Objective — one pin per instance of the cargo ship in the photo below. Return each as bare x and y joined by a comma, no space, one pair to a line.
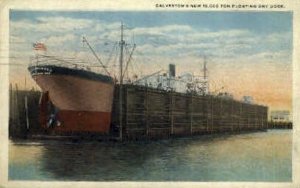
76,100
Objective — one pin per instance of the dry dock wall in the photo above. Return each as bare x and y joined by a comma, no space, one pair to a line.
152,113
23,112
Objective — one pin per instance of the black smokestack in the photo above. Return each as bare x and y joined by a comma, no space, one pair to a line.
172,70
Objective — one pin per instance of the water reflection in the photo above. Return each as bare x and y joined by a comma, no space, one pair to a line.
250,157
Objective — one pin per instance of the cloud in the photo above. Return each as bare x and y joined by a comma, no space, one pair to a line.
103,26
24,24
61,24
162,31
283,56
217,35
172,40
58,39
276,38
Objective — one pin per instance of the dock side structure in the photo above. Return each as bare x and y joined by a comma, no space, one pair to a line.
153,113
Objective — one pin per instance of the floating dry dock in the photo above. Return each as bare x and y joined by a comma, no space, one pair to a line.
153,113
150,114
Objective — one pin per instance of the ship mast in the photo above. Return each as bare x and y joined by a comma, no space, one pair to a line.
205,76
122,42
204,69
203,83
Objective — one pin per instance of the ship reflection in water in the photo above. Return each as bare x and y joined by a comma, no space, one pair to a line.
263,156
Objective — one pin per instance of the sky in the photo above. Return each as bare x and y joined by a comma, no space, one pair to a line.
248,53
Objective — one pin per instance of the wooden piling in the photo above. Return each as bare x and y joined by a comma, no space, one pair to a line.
171,112
26,111
191,113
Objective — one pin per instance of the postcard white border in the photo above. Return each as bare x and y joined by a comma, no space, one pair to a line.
135,5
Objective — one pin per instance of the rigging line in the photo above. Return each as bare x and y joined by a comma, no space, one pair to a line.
133,68
133,40
136,67
127,52
54,58
149,75
84,51
66,59
115,62
139,64
110,55
128,61
85,40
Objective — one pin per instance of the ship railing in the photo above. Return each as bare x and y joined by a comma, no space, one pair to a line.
64,62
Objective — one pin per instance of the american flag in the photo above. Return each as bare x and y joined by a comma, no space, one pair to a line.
39,46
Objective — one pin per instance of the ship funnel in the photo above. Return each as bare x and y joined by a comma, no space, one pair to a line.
172,70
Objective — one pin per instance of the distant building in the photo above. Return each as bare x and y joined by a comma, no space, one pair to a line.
248,99
225,95
281,116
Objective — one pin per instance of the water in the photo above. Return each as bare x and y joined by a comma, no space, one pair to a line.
263,156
